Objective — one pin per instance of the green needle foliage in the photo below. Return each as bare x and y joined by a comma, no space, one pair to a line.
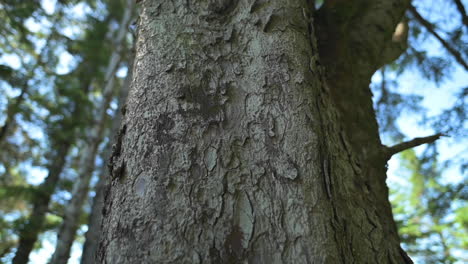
430,207
431,213
52,65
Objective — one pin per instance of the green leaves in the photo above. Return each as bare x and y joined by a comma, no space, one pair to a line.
431,214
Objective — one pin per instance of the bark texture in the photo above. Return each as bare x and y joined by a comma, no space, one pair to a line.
231,150
355,39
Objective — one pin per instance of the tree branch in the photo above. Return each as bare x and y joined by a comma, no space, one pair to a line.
390,151
429,27
462,11
12,109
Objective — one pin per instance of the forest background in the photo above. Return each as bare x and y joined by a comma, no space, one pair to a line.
62,79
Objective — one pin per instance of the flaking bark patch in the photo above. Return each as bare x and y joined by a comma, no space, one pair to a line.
233,245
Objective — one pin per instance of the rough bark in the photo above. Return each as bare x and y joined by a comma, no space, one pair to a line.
231,150
95,218
73,210
352,48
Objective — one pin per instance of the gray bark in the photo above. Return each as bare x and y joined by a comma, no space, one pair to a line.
231,149
73,210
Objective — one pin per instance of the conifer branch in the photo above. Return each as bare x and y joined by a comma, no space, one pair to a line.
429,27
390,151
462,10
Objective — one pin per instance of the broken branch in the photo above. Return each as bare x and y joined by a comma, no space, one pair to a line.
390,151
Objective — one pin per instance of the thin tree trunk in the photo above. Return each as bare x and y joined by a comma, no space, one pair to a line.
92,236
59,146
95,218
231,150
30,231
73,210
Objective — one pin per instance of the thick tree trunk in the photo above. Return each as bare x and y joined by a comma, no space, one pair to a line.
73,210
231,150
352,48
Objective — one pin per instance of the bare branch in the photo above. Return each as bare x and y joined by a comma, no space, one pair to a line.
390,151
429,27
462,11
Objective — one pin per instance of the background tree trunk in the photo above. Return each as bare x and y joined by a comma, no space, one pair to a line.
231,149
95,217
31,230
62,136
73,210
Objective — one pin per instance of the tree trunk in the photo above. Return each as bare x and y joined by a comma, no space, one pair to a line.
92,236
95,218
31,230
234,146
59,147
73,210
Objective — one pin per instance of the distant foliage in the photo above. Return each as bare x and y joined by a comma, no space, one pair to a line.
430,207
53,56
